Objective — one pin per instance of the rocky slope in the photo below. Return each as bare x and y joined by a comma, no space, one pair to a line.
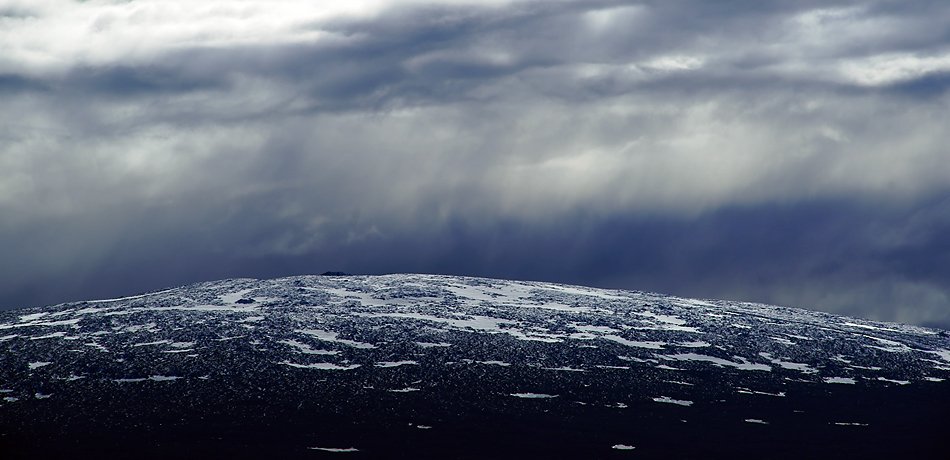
411,366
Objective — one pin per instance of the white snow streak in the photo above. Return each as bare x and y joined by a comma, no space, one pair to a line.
533,395
669,400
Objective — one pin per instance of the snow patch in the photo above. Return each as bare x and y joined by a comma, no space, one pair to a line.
868,368
157,342
129,297
844,380
234,296
236,308
50,336
783,340
32,316
799,337
307,349
662,318
669,400
395,363
321,366
328,336
561,307
801,367
754,392
631,343
743,363
587,292
532,395
430,345
479,323
97,346
944,354
637,360
866,326
889,346
597,329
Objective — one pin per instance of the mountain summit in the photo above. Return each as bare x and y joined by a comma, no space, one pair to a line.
431,366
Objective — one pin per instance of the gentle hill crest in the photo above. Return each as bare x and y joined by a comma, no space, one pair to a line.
423,349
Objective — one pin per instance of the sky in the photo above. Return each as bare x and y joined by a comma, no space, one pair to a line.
786,152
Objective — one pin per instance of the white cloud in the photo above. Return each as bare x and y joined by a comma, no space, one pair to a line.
52,35
673,63
886,69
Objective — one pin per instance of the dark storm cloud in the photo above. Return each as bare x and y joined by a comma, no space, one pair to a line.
16,83
889,263
788,152
129,82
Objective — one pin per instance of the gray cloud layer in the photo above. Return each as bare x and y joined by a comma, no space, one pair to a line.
789,152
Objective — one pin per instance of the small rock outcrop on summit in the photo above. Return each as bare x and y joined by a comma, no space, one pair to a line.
428,366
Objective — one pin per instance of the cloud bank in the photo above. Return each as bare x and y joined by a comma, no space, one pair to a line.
785,152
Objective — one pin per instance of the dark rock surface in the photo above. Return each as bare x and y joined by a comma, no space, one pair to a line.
426,366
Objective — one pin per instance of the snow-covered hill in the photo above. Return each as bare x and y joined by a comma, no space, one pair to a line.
437,353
